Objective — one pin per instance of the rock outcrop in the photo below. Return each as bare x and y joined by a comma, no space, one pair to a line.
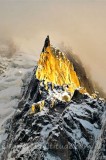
56,119
54,67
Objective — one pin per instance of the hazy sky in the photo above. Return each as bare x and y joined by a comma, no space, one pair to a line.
80,24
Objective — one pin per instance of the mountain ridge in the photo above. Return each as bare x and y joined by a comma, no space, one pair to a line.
49,123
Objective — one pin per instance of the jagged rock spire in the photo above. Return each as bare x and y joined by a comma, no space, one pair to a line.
46,44
54,67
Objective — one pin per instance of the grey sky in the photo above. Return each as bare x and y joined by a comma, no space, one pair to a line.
80,24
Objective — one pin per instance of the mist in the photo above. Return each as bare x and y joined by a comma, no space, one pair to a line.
79,24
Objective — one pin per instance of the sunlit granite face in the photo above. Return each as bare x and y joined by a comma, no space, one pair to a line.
53,66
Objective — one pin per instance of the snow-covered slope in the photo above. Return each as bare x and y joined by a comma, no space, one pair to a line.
12,71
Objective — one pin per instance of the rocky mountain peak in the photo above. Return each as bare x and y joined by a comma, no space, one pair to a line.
46,43
54,67
54,120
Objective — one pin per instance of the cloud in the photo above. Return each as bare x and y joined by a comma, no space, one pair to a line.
80,24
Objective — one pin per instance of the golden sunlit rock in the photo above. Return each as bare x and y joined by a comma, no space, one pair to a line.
37,107
53,66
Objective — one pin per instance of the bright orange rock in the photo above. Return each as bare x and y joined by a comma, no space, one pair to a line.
53,66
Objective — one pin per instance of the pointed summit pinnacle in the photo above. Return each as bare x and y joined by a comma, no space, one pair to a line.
46,44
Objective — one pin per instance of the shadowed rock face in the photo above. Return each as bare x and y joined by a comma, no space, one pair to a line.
98,151
46,44
61,130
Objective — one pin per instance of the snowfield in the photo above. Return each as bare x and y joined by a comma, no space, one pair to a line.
12,71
